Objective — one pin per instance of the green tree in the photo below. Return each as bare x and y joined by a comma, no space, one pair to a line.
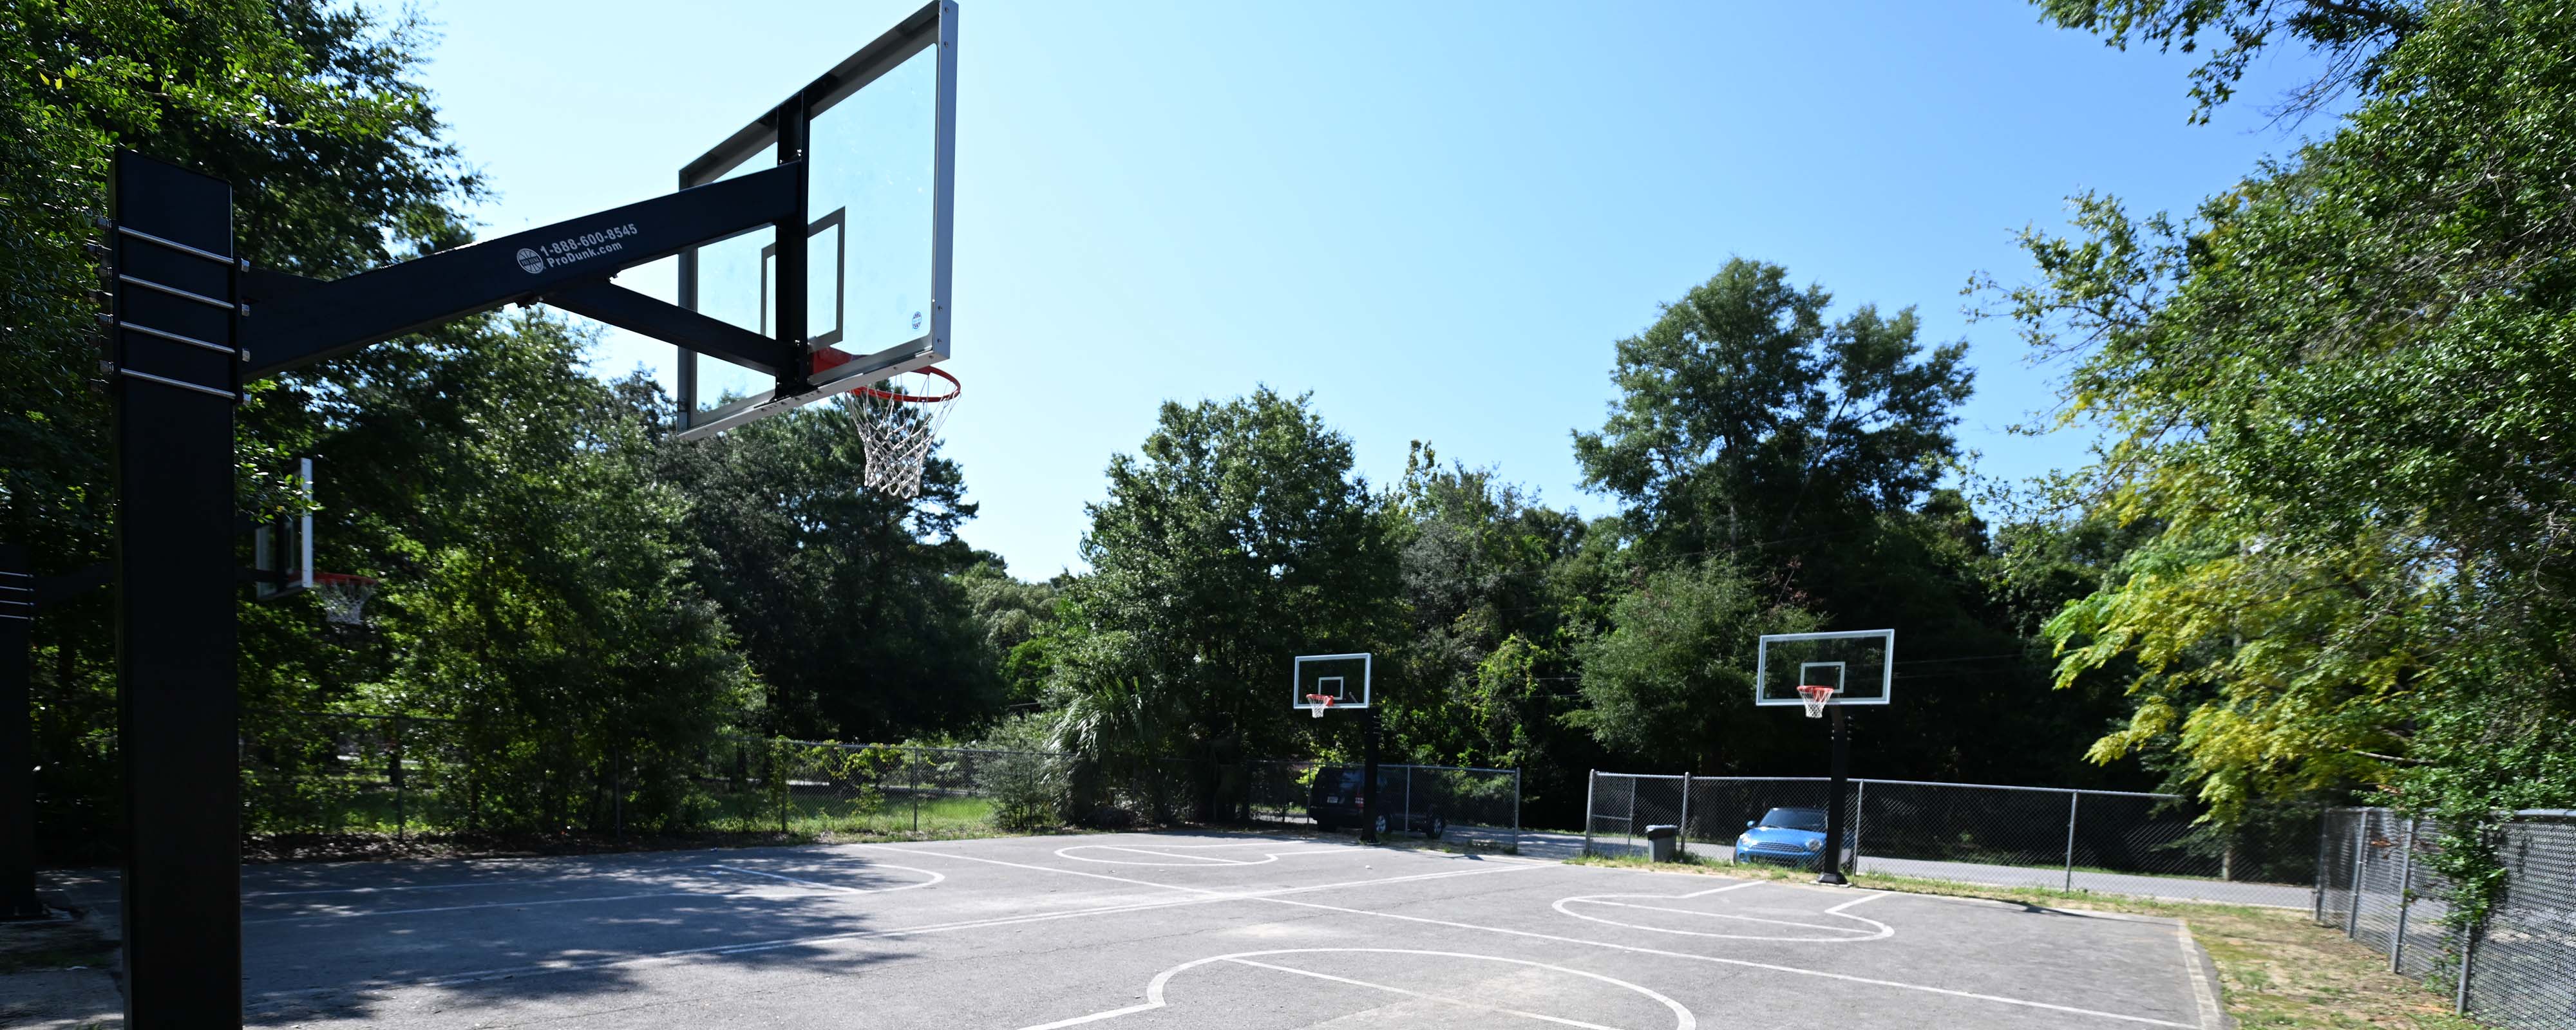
312,111
1671,681
2337,400
1745,419
848,603
1018,618
2353,35
1234,540
541,598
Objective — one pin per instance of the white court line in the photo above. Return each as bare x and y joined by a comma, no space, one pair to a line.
421,887
1596,900
1186,861
320,917
1882,932
1794,970
746,947
1073,853
324,917
1418,994
2201,995
1205,897
934,876
1155,992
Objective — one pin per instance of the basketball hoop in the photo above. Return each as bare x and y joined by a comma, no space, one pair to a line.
344,597
898,420
1815,698
1322,703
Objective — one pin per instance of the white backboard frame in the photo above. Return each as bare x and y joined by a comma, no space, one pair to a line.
1887,667
1297,680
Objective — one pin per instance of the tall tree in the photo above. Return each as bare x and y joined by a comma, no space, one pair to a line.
1235,539
313,111
1745,419
846,600
2337,399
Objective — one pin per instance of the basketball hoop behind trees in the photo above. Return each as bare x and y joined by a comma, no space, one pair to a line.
344,597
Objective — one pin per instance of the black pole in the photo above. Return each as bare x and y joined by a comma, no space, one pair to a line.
17,737
1368,775
1831,864
178,713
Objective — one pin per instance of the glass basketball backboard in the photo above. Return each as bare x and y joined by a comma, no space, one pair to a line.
1859,664
1343,677
879,134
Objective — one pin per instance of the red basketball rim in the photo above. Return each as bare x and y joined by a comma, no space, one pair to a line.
906,398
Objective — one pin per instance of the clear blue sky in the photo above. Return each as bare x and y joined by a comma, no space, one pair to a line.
1435,217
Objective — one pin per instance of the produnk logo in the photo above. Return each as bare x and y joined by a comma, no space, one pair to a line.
532,261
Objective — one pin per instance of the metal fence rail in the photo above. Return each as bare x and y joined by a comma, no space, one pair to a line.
2517,968
2106,841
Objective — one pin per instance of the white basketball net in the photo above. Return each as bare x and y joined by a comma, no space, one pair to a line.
1318,704
344,598
898,421
1815,698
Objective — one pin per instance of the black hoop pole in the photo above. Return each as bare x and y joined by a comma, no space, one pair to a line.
1830,864
178,710
17,737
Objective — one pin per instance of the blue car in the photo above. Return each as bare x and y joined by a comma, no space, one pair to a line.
1793,837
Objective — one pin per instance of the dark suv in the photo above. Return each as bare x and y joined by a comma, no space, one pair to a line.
1337,802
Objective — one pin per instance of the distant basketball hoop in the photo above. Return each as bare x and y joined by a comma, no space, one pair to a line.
1815,698
344,597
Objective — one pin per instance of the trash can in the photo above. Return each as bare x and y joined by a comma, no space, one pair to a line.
1662,842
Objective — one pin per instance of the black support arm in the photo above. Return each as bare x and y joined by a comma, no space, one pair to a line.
670,323
329,319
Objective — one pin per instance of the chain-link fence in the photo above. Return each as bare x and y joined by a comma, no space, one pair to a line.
2376,881
330,772
877,789
1466,805
2105,841
348,773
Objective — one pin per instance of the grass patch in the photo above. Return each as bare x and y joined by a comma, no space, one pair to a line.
2276,967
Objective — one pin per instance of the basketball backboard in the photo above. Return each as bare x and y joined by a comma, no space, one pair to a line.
879,134
282,547
1859,664
1343,677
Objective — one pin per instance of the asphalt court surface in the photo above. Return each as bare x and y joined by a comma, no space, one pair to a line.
1148,931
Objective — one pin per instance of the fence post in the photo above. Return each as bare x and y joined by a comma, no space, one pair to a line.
912,786
1408,796
1681,841
2360,851
395,772
2317,894
2405,895
1628,822
1860,818
1588,777
1516,812
2468,956
2071,798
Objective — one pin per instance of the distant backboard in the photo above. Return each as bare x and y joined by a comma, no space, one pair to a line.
1344,677
282,548
880,132
1859,664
